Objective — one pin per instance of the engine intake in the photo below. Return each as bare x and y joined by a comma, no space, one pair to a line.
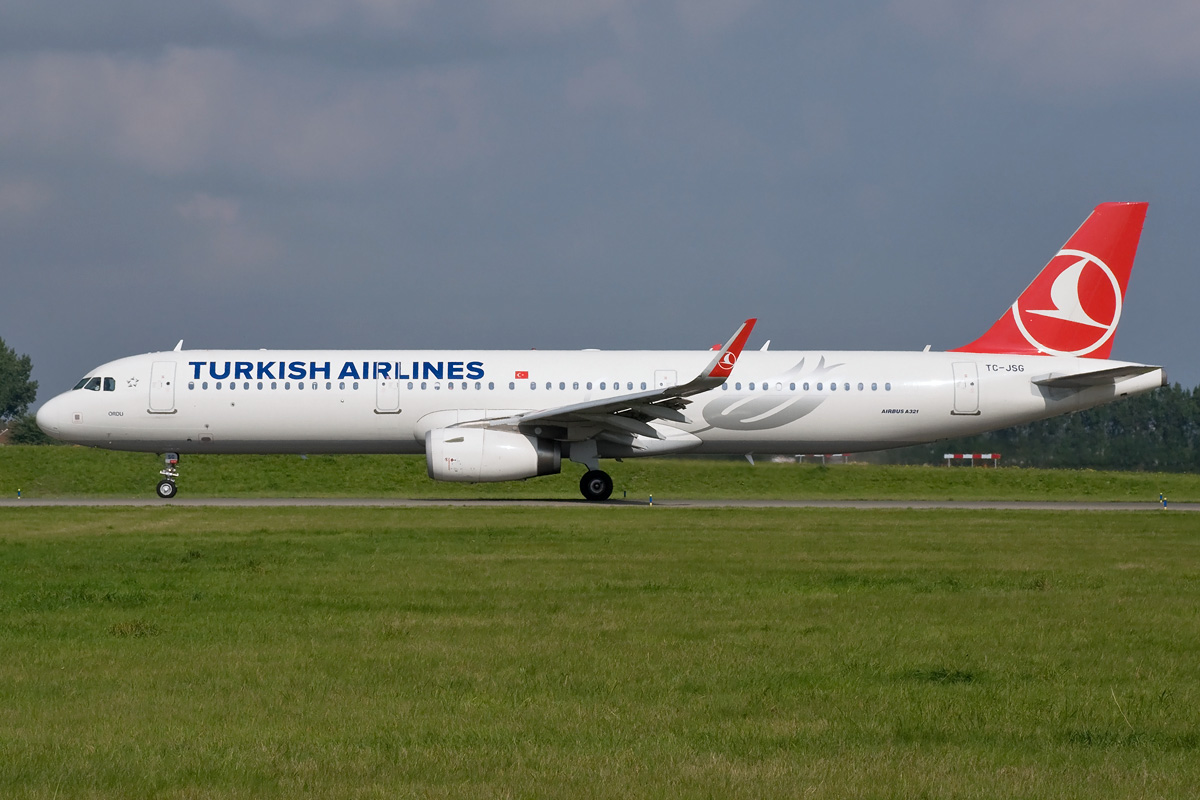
479,455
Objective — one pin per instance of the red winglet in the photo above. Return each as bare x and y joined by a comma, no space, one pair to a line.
722,365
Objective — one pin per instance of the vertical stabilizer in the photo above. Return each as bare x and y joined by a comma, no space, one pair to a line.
1074,304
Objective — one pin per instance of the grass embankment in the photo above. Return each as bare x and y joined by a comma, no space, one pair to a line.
611,653
84,472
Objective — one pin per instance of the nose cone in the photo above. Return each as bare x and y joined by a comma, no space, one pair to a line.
53,417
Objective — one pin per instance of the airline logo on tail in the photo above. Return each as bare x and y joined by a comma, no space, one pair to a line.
1074,304
1076,288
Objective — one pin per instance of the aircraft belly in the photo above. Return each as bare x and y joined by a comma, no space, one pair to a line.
246,424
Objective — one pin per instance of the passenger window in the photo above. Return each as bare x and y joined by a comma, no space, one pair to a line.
549,385
860,387
629,386
274,386
832,387
887,387
110,384
232,385
491,385
643,385
806,386
737,386
751,386
342,385
846,386
287,386
725,387
602,387
449,385
217,385
204,385
260,386
328,385
562,385
791,387
575,385
874,387
766,386
819,386
424,385
511,385
533,384
356,385
410,385
191,385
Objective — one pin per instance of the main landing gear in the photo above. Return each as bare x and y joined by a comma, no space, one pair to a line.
596,485
166,487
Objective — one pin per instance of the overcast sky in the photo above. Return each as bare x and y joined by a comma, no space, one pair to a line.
580,173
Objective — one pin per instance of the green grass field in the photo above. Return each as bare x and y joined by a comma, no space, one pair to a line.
84,472
605,652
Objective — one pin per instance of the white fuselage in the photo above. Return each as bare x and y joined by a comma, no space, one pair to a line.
258,401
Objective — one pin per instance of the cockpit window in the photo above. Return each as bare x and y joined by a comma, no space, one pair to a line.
93,385
81,384
110,384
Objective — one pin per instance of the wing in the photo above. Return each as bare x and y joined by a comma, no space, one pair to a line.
619,418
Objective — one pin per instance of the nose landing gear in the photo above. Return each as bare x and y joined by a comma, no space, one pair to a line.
166,487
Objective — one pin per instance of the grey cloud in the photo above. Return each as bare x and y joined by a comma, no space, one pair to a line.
190,110
23,199
1068,46
609,173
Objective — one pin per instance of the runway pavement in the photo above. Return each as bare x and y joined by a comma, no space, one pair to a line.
392,502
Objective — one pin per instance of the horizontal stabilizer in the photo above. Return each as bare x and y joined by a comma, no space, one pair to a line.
1100,377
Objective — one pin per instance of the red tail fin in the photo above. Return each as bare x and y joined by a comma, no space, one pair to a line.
1074,304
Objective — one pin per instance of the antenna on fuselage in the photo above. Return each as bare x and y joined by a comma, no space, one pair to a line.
179,346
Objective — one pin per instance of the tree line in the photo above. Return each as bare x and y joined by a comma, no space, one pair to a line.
17,393
1155,431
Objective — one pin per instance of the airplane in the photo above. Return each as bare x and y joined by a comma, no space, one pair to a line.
502,415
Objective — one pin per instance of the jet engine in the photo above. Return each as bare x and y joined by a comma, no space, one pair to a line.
479,455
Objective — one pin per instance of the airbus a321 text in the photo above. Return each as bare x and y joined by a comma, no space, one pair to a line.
501,415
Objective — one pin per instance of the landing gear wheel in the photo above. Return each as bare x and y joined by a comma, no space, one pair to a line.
596,485
166,487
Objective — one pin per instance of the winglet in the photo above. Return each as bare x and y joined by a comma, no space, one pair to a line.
723,361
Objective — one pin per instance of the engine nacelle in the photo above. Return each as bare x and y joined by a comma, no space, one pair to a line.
478,455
